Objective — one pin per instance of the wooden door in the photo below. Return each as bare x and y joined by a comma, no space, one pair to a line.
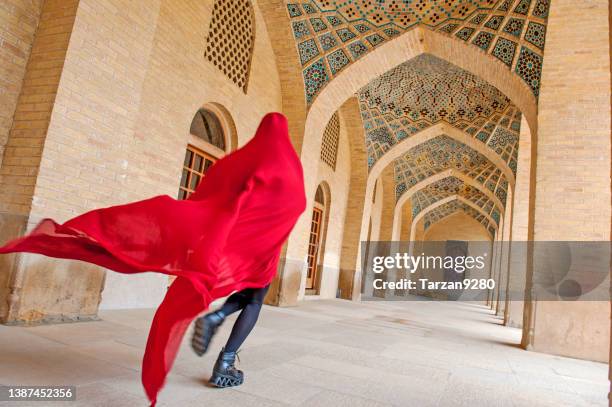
313,247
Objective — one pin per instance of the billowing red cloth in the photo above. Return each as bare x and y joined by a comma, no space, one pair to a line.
227,236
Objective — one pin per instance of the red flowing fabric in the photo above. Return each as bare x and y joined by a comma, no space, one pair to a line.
226,237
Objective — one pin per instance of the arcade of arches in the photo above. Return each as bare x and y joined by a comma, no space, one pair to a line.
486,120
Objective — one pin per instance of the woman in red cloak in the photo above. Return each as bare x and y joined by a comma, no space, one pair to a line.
226,237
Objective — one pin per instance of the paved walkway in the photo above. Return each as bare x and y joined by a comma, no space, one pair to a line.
321,353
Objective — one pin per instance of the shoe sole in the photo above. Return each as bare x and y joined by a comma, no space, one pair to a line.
199,344
222,381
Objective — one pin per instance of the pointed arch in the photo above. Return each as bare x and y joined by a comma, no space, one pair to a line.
442,202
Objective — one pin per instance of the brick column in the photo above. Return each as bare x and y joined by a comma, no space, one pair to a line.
572,191
23,151
350,261
520,230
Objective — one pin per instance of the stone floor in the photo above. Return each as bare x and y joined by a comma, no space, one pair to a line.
321,353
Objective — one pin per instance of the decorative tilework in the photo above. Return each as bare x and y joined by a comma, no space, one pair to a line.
495,216
483,40
294,10
435,192
391,32
375,39
381,136
404,14
529,68
300,29
482,136
465,33
504,50
501,139
315,77
361,28
478,19
328,41
354,20
309,8
449,28
494,22
502,191
400,189
345,34
334,21
505,5
357,49
424,91
308,50
318,24
512,165
437,155
541,8
522,7
514,26
337,60
536,33
445,188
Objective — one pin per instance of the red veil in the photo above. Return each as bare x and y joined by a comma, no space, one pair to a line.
227,236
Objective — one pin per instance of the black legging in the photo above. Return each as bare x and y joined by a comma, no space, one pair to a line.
249,301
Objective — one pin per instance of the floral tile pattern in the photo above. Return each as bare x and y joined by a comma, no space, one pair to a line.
477,22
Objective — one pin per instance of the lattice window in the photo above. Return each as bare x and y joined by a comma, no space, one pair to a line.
329,147
231,36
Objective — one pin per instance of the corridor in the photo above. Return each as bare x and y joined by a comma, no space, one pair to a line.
321,353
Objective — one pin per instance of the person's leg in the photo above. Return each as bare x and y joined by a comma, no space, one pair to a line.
246,320
236,301
205,327
225,373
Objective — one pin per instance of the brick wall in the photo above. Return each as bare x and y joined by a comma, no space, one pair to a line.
18,22
133,78
22,155
572,195
338,183
34,107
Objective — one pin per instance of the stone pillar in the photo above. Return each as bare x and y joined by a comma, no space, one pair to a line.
351,241
495,267
505,256
387,183
23,151
572,192
520,230
406,222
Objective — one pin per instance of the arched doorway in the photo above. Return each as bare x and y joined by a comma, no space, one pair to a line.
210,138
316,242
208,141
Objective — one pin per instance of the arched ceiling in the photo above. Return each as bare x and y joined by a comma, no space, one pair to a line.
426,90
443,153
450,186
330,35
455,206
